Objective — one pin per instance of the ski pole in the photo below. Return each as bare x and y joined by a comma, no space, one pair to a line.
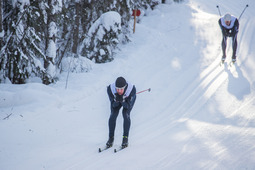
149,89
243,11
219,10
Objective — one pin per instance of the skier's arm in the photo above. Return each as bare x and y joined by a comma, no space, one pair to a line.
111,97
130,100
223,29
235,28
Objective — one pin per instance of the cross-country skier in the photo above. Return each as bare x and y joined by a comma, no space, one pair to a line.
229,26
121,94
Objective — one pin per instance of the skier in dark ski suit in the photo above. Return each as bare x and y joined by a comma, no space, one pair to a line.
229,26
121,94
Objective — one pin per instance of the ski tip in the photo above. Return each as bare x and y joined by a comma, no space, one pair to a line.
222,63
231,64
99,150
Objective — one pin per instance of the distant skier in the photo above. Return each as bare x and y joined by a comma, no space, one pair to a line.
229,26
121,94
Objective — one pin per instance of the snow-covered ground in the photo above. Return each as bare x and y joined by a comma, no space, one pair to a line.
197,116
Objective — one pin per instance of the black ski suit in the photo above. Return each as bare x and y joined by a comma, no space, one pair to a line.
129,97
229,31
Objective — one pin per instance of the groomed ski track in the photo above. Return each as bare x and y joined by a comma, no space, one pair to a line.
198,115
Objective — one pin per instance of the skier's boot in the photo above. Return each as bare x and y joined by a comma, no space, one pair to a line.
124,142
223,59
233,60
110,142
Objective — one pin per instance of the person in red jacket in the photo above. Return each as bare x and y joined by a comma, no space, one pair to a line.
229,26
122,94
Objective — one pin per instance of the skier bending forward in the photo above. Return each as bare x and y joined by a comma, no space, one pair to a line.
229,26
121,94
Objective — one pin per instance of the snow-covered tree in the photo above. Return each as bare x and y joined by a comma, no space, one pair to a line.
54,7
76,27
109,28
103,37
37,36
19,52
1,23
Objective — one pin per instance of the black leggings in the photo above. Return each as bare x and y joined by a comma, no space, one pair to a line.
234,45
113,118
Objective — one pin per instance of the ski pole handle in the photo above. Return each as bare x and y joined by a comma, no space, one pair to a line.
243,11
219,10
149,89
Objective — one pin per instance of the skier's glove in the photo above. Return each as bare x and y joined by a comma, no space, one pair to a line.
115,104
119,98
125,105
226,34
234,31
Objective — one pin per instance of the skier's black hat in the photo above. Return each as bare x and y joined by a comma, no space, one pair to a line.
120,82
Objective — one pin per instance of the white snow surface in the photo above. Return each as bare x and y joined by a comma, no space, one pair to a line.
107,21
198,115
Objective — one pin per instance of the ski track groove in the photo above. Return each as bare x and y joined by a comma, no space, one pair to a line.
211,79
202,88
180,111
187,104
214,75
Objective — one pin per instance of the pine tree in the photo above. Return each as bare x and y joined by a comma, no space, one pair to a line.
1,24
35,36
54,7
21,54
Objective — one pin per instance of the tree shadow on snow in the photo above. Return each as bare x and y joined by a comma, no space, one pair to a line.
238,85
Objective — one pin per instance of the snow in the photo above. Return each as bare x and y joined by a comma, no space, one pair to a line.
22,3
198,115
2,33
57,6
108,20
76,64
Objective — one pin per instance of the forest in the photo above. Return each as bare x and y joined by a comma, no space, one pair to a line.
41,38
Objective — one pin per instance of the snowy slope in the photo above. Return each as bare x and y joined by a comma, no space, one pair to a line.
197,116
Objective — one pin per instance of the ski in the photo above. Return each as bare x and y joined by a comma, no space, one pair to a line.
103,149
222,62
119,149
231,63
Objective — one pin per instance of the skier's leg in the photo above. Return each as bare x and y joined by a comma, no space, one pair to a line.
127,121
234,45
112,120
126,116
224,45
